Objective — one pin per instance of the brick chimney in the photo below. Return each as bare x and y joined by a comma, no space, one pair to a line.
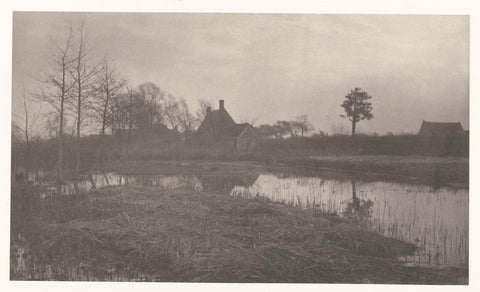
222,104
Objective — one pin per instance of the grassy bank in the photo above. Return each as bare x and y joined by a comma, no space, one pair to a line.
142,233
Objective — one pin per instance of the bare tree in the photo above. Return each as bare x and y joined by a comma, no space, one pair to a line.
266,130
203,106
187,120
122,116
83,73
172,112
30,129
302,125
282,128
177,115
252,120
108,86
58,86
148,105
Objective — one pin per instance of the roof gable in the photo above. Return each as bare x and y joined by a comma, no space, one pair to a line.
440,129
219,125
218,119
238,129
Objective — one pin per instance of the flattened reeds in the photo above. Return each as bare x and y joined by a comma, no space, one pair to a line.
141,233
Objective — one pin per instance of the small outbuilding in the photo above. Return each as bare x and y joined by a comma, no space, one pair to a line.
442,139
440,129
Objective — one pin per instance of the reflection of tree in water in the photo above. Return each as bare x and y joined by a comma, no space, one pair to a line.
358,210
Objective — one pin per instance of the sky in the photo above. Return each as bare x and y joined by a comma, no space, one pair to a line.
270,67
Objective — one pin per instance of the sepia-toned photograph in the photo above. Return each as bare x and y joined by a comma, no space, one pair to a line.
240,148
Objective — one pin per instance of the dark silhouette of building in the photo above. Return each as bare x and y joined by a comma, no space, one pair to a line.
438,129
442,139
219,131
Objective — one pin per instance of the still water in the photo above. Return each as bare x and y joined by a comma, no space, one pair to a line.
435,220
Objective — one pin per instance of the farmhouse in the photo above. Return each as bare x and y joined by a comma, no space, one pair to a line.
439,138
218,130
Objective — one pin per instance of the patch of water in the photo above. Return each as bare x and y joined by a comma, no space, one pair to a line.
101,180
436,221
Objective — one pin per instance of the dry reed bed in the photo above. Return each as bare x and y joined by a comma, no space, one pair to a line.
142,233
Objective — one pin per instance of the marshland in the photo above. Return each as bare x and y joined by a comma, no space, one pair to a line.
238,221
117,179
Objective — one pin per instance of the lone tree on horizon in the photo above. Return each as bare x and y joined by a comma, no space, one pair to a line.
357,107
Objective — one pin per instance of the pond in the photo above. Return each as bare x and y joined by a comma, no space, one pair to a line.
435,220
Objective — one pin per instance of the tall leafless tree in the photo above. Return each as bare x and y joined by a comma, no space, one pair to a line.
58,85
108,86
83,74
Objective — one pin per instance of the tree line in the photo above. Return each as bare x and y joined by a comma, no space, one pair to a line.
86,94
301,126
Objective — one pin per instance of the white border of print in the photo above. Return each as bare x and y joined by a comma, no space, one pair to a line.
464,7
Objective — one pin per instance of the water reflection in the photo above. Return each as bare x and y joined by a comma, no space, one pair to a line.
358,210
435,220
225,183
215,183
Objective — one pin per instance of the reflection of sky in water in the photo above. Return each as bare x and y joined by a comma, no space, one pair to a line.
435,220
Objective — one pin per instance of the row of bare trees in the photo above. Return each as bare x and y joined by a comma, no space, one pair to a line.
90,94
77,86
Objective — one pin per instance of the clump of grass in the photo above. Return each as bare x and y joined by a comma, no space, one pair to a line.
142,233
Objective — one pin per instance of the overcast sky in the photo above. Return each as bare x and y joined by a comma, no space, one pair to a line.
276,66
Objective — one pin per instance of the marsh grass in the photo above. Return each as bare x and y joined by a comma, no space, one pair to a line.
146,234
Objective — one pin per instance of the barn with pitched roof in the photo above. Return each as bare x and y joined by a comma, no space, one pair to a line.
219,130
440,138
439,129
